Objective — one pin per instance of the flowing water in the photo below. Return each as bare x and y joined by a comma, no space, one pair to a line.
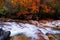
29,30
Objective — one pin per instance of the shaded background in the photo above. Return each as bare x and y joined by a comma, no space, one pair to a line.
30,9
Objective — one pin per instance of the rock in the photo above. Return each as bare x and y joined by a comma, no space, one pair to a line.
20,37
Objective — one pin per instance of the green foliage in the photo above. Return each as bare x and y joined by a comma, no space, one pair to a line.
2,11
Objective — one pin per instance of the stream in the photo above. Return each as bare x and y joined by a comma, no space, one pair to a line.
31,30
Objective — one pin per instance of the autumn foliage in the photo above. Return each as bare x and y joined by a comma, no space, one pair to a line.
18,7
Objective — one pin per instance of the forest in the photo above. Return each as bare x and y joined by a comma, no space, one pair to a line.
37,9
